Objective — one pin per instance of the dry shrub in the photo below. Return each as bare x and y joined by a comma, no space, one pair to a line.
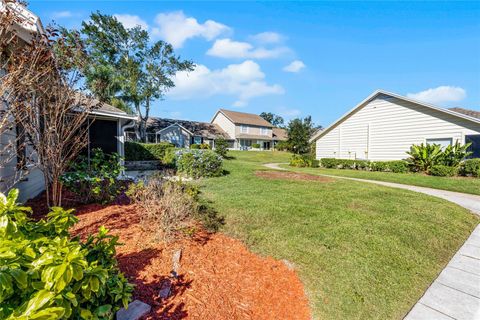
165,206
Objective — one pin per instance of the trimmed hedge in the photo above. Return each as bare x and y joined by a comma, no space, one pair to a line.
198,163
443,171
470,168
146,151
305,160
398,166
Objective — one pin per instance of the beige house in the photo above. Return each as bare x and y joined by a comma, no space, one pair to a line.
247,129
385,125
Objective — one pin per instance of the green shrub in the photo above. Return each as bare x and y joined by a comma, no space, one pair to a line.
470,167
194,146
397,166
453,155
45,274
221,147
95,180
424,156
168,159
146,151
441,170
205,146
198,163
303,160
328,163
282,146
256,145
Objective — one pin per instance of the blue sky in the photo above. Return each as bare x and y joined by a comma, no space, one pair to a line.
303,58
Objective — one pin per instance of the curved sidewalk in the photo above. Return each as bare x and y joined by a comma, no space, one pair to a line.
455,294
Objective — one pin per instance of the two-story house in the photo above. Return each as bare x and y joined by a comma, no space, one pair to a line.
247,129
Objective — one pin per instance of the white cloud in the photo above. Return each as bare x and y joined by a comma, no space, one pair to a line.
268,37
62,14
295,66
440,94
244,81
227,48
176,28
288,112
131,21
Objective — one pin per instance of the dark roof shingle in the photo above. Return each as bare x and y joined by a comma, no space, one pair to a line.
204,129
467,112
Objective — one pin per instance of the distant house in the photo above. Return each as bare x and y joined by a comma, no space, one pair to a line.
106,131
247,129
183,133
385,125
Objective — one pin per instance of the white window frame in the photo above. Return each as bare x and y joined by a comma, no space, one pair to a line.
264,131
432,140
243,128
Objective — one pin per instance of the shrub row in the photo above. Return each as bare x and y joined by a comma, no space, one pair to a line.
398,166
198,163
304,160
470,168
200,146
135,151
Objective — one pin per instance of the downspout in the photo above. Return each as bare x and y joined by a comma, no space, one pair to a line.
130,124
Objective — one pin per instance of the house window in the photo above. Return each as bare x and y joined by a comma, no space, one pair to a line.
443,142
264,131
475,145
243,128
197,140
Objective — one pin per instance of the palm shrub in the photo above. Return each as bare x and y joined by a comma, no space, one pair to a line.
45,274
454,154
424,156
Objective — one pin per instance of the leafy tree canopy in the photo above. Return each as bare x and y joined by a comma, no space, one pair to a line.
275,120
299,134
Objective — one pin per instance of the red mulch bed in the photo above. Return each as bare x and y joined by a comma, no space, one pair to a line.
218,277
291,176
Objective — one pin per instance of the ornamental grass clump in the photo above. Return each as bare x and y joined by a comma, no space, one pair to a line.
45,274
198,163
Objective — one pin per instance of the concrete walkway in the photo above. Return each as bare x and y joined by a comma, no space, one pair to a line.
455,294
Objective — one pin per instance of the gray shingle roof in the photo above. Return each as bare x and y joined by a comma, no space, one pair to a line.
204,129
470,113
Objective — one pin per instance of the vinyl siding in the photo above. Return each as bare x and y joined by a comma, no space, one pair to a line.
386,127
175,135
254,130
224,123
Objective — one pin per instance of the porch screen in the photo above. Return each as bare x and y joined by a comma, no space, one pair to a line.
103,134
475,147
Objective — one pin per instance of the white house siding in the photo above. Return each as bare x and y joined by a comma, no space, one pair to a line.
224,123
386,127
175,135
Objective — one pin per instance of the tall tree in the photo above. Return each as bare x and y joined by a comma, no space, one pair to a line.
275,120
299,134
124,66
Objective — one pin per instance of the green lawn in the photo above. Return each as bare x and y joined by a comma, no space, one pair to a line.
362,251
459,184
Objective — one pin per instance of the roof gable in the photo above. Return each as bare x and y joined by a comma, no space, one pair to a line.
204,129
244,118
378,93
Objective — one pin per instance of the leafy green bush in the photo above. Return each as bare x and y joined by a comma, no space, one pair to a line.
256,145
168,158
441,170
198,163
205,146
453,155
194,146
397,166
146,151
221,147
303,160
44,274
329,163
424,156
282,146
95,180
470,167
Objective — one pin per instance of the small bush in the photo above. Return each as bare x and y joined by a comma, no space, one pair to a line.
256,145
95,180
470,168
397,166
146,151
45,274
328,163
198,163
194,146
205,146
282,146
304,160
168,159
443,171
221,147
